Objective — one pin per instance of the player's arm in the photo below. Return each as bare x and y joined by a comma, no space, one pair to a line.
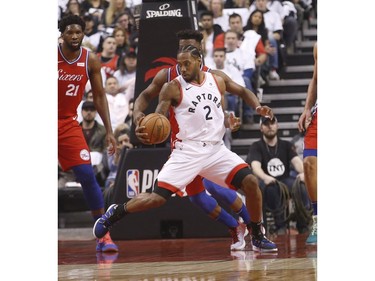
312,94
230,121
169,95
145,97
100,100
248,96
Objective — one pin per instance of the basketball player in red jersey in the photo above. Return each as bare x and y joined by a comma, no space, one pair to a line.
308,122
76,66
196,190
199,149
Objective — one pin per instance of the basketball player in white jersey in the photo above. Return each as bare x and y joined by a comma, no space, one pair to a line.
195,97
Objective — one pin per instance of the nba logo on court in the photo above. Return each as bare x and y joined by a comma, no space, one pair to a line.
132,183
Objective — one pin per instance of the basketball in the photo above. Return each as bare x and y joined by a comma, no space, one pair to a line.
157,127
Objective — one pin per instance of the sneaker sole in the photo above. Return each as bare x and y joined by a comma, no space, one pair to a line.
110,250
264,250
241,248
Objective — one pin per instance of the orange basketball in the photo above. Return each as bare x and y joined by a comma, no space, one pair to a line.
157,127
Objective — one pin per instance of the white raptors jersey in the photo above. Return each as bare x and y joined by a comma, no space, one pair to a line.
199,114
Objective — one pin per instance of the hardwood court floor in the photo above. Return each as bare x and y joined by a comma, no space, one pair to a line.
187,260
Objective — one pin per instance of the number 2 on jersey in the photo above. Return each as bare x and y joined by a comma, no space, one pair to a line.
208,117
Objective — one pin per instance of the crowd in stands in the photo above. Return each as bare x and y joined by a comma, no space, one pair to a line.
255,34
247,39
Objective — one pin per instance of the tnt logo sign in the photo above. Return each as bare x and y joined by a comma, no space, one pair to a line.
133,184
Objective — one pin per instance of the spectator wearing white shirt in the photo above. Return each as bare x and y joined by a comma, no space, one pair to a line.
118,104
221,64
234,73
232,102
217,8
290,24
288,14
126,71
245,58
256,23
210,33
274,25
92,36
131,4
234,55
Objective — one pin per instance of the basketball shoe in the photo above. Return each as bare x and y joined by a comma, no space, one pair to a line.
313,236
104,224
238,237
106,244
259,241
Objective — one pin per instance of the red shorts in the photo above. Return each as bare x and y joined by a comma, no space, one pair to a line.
311,135
195,187
72,147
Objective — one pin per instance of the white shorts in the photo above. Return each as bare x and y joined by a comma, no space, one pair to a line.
211,160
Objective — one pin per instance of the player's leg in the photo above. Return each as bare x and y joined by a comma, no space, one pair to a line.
228,197
310,170
142,202
249,184
74,154
168,183
93,195
240,177
310,165
198,196
91,190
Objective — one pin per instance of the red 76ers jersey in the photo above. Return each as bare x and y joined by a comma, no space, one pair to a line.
72,79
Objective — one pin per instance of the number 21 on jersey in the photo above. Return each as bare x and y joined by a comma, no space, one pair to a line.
72,90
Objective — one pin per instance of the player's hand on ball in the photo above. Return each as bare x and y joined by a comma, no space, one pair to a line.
155,128
140,133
